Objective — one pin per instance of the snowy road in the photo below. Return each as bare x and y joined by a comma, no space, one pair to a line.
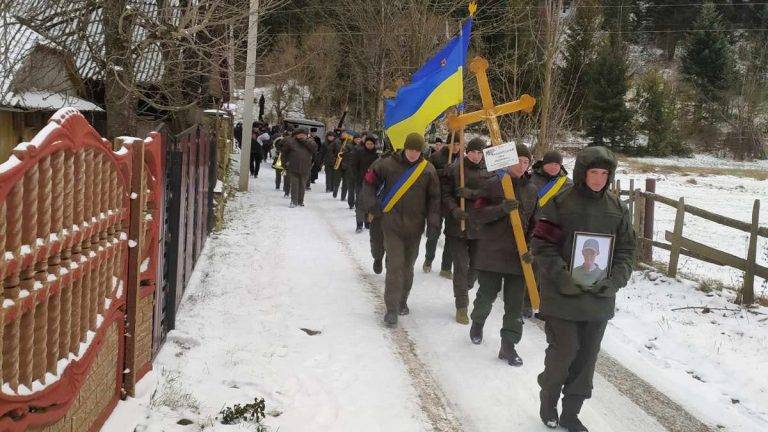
273,271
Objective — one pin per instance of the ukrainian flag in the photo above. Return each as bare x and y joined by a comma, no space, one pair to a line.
434,88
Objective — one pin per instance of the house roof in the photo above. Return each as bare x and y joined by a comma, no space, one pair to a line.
48,101
16,42
69,28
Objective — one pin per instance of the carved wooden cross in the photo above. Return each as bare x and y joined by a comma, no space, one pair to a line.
489,114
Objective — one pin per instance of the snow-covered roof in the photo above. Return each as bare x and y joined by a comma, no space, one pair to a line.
49,101
60,26
16,42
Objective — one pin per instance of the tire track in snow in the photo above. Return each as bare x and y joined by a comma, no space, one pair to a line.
432,400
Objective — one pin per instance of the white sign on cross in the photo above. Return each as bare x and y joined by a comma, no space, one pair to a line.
500,156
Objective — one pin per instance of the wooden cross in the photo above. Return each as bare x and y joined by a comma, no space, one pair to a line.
489,114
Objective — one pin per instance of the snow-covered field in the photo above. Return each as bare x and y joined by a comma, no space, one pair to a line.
274,270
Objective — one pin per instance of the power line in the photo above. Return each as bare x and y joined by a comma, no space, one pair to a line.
357,33
502,8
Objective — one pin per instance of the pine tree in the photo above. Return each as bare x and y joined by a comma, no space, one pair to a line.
708,59
619,22
580,51
658,109
665,19
608,119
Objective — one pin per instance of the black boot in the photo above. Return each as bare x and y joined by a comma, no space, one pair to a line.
390,319
507,352
404,309
548,409
569,419
476,333
377,266
359,228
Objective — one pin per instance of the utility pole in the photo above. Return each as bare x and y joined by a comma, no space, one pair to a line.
250,81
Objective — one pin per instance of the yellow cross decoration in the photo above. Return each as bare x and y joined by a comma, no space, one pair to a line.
489,114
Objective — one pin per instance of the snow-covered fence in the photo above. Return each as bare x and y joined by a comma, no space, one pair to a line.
72,239
643,203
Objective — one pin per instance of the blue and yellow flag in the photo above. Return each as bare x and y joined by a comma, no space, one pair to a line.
434,88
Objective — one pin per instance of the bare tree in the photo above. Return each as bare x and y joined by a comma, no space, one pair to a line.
168,56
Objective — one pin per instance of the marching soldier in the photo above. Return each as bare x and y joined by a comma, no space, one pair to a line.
339,167
330,150
365,156
575,314
461,243
497,259
440,159
349,161
277,162
369,205
550,178
297,156
410,196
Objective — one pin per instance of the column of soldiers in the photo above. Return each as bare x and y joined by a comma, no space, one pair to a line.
401,195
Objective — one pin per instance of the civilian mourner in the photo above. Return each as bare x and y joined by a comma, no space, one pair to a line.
575,314
410,196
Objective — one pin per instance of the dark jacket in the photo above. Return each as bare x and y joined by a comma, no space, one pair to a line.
297,155
440,160
330,152
349,148
540,177
420,203
496,249
368,201
475,178
581,209
362,160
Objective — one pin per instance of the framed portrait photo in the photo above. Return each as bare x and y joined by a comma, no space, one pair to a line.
591,257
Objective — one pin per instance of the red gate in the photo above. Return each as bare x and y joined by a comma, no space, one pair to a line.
76,247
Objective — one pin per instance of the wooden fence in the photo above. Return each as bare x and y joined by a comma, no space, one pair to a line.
642,205
79,235
191,175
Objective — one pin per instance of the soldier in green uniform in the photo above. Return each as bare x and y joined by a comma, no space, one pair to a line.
411,199
496,257
461,243
576,314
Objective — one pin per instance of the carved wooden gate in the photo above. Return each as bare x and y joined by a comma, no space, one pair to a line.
79,237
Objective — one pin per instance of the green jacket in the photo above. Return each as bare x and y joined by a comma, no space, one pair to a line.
581,209
475,177
419,205
496,249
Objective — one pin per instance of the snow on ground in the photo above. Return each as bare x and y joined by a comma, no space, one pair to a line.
274,270
711,361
